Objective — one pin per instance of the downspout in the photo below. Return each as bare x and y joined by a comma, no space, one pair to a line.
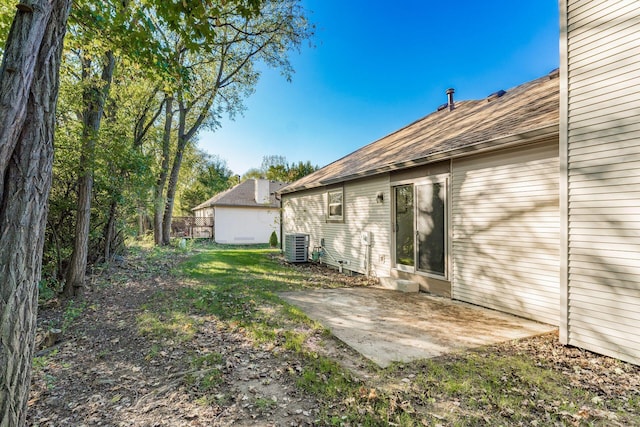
278,197
366,242
563,321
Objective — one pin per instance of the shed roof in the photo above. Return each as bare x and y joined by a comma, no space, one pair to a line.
243,195
523,112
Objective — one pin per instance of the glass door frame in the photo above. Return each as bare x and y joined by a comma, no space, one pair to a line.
415,182
394,217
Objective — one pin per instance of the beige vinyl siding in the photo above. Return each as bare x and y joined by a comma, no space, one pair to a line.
305,212
602,201
505,218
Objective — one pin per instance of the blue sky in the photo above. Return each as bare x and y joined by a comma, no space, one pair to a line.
378,66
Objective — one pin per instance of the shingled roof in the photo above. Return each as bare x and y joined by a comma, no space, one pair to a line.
528,110
243,195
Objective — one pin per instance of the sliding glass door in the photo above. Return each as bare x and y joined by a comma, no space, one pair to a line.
420,218
431,228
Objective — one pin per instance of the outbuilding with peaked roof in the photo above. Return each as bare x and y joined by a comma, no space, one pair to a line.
246,214
463,203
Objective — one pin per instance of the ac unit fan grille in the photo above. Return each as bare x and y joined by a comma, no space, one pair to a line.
296,247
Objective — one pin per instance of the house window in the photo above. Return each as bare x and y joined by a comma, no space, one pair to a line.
335,205
421,226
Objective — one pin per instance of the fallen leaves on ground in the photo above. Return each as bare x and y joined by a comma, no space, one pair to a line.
102,371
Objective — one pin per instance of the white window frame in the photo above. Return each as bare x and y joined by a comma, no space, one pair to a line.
331,192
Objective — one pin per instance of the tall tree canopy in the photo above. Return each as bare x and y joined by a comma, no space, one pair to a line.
140,80
205,176
217,77
276,168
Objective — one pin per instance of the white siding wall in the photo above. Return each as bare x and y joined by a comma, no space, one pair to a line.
305,212
505,216
246,225
600,115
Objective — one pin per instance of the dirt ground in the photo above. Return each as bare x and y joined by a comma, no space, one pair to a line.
103,372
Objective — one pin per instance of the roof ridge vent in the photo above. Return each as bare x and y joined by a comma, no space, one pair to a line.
443,106
496,95
554,73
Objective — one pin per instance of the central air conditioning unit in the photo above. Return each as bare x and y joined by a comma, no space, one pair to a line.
296,247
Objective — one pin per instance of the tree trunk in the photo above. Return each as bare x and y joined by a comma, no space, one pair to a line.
94,98
175,173
143,125
158,197
171,193
28,95
110,231
141,222
184,136
17,73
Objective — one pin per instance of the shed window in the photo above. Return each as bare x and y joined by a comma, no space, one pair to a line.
335,201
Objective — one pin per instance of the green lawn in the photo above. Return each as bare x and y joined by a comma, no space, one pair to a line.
501,385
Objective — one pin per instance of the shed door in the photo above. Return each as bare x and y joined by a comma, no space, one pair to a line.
505,218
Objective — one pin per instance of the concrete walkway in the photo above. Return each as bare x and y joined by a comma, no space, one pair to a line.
387,326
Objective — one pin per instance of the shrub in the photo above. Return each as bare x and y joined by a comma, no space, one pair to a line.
273,239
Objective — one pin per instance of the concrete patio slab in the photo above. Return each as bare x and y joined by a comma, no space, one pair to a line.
387,326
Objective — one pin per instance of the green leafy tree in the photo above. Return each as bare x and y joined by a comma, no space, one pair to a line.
158,35
277,173
94,95
254,173
208,175
276,168
122,168
300,169
222,74
273,161
97,30
29,82
7,12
